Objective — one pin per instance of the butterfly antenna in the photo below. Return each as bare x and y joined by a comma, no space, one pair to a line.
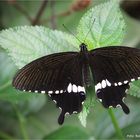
89,30
72,33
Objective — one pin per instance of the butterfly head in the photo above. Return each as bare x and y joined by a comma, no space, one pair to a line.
83,47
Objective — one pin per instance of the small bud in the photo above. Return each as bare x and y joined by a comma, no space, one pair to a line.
80,5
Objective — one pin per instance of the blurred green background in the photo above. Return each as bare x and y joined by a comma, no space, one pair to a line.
31,116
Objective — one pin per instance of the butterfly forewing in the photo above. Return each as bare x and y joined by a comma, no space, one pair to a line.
119,65
46,73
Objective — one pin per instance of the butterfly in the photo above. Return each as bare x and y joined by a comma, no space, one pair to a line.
64,76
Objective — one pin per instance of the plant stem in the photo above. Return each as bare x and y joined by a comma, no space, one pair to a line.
53,18
22,10
115,123
5,85
40,12
38,124
21,123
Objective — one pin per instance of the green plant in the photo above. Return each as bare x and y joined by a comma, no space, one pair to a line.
26,43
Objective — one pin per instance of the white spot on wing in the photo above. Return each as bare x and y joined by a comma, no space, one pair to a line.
69,88
103,83
50,92
115,84
60,108
29,91
126,90
43,92
98,86
138,77
100,100
132,80
61,91
123,99
119,83
118,105
74,88
125,82
81,89
54,101
110,106
57,92
108,83
67,113
36,91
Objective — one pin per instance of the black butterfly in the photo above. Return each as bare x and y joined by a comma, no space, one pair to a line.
64,76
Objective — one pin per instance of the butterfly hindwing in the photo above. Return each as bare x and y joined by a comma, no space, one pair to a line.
69,103
113,96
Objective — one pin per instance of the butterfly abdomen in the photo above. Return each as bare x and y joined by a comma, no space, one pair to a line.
84,57
87,81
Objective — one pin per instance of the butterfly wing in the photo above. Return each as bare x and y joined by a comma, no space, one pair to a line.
68,103
59,75
113,96
116,64
113,68
45,74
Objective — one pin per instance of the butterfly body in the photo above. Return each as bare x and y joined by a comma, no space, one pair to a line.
64,76
84,57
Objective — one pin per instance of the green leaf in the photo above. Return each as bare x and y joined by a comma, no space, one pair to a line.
30,102
27,43
89,102
7,70
135,89
102,25
83,115
5,66
128,127
68,132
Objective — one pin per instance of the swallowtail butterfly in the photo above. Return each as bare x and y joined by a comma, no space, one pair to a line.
64,76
